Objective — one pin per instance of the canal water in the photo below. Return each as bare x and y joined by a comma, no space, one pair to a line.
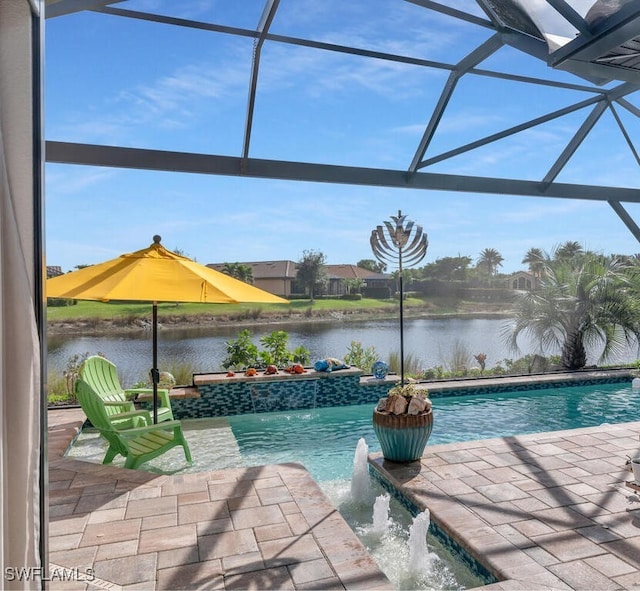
430,342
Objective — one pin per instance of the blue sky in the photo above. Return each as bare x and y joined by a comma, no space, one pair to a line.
126,82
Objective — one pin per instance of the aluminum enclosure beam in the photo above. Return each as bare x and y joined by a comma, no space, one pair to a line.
626,219
187,162
266,19
55,8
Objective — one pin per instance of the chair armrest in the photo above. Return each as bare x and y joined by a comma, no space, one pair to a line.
138,390
145,414
165,426
163,393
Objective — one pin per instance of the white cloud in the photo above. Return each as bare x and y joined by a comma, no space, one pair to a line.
69,180
178,99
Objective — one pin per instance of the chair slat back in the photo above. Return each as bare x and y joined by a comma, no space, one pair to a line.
102,376
93,406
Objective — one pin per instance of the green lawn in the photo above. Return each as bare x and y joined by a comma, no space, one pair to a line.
107,310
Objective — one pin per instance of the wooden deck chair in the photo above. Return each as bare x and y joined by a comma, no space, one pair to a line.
102,376
138,444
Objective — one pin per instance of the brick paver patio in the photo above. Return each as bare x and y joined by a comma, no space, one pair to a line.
544,511
540,512
269,527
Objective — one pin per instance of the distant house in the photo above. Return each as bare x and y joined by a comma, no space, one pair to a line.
53,271
276,277
523,281
338,273
279,277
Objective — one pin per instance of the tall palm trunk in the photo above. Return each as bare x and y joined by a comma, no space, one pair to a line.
574,355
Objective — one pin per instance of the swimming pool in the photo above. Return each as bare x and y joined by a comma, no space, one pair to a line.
324,439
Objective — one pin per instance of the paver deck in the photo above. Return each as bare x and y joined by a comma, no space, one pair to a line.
543,511
269,527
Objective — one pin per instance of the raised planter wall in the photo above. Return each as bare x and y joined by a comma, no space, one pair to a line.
219,396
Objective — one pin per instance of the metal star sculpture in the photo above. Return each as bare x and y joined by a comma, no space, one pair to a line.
405,244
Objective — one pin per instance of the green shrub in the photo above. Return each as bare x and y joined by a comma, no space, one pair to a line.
433,373
61,302
301,355
57,389
360,357
528,364
60,399
241,353
275,349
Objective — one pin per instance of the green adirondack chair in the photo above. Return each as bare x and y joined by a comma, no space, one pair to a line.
138,444
102,376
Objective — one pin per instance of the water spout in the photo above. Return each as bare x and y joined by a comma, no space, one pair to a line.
381,515
360,485
418,553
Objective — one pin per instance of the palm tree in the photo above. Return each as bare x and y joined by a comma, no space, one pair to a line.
581,304
535,259
491,259
245,273
569,250
239,271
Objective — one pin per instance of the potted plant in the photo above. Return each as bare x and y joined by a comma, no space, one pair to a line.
403,422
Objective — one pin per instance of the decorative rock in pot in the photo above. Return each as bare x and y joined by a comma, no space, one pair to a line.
403,422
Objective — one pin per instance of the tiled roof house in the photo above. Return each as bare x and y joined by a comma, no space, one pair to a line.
279,277
276,277
338,273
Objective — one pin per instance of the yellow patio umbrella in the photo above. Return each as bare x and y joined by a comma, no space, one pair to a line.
155,274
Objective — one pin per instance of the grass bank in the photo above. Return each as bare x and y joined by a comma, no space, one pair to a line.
106,316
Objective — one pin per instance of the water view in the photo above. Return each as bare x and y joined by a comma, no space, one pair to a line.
430,341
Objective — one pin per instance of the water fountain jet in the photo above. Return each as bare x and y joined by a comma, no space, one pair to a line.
360,485
418,552
381,515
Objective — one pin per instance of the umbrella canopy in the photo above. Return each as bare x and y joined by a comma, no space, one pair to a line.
155,274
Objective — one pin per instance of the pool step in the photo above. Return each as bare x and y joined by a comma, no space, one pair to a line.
212,438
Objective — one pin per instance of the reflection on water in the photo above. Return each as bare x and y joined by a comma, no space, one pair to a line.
431,342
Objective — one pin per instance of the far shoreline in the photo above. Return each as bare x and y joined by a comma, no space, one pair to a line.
110,326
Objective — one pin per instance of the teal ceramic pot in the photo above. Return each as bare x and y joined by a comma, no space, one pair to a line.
402,437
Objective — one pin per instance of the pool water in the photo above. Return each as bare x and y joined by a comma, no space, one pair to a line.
325,440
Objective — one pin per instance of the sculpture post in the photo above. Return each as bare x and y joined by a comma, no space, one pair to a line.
406,244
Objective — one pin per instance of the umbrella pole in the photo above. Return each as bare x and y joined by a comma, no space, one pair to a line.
154,370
